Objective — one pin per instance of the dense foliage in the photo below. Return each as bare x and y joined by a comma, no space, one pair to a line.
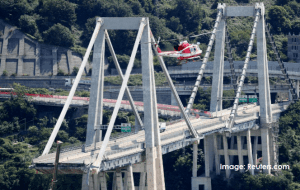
70,23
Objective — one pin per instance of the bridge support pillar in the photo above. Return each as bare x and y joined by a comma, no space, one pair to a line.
154,163
217,83
240,148
249,148
129,184
142,181
95,111
96,181
103,182
226,156
231,147
217,156
195,159
255,150
204,181
265,149
209,154
84,185
119,180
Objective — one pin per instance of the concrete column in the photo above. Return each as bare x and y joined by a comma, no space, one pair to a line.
263,74
231,147
114,183
255,150
173,99
150,118
217,156
240,148
70,61
129,181
96,181
2,64
265,148
4,50
297,87
160,178
217,83
86,186
119,179
54,61
225,144
20,59
195,158
249,148
271,146
142,181
103,180
207,157
96,92
37,60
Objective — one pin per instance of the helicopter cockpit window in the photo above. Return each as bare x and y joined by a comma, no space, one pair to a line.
176,47
192,50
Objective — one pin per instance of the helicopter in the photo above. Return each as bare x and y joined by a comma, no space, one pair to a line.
183,50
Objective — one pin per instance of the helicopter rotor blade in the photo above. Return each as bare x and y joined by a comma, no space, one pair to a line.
194,36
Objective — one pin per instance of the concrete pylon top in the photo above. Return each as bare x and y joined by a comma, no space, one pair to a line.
235,11
120,23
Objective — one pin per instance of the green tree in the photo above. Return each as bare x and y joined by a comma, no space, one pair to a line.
43,122
174,24
59,11
28,25
279,20
59,35
13,9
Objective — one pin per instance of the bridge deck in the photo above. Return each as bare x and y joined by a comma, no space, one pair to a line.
129,149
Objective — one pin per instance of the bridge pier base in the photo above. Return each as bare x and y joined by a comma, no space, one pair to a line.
103,182
201,181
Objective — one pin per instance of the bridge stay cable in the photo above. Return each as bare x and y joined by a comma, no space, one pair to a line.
73,89
243,75
281,65
206,56
164,68
127,91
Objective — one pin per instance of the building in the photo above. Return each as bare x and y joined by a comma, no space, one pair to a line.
294,47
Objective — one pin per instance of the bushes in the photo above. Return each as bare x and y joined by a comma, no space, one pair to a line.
59,35
5,73
28,25
59,11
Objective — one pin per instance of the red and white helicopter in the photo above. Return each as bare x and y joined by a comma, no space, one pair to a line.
183,51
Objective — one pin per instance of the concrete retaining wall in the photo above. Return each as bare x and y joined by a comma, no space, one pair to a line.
21,55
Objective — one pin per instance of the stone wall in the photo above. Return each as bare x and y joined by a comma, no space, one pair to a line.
21,55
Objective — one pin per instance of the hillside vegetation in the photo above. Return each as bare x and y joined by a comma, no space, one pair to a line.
70,23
